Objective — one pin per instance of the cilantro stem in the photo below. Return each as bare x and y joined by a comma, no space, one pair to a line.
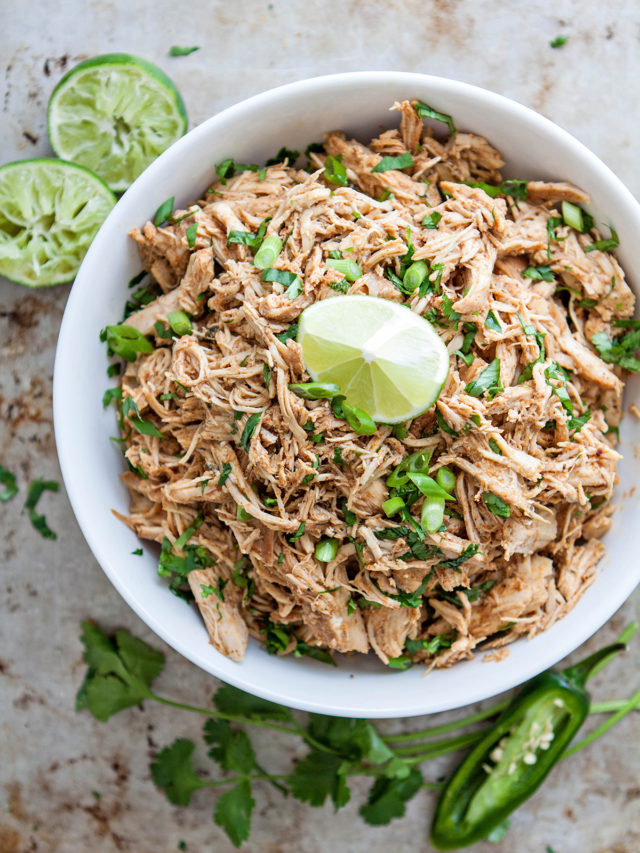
493,710
448,727
218,715
298,731
630,705
211,783
609,707
441,747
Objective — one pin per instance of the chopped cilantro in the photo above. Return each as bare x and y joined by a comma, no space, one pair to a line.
496,505
163,212
182,51
288,334
492,323
432,219
402,161
249,429
34,492
8,480
488,380
558,41
542,273
606,245
425,111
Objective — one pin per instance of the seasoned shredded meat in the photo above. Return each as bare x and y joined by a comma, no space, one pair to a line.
248,476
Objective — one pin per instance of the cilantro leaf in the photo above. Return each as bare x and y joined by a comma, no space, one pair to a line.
432,219
448,312
289,334
232,750
558,41
553,223
249,429
488,380
606,245
119,672
317,777
171,770
34,492
388,797
576,423
233,812
425,111
496,505
182,51
554,371
402,161
190,233
282,155
8,480
455,562
492,323
432,645
350,738
230,700
163,212
542,273
619,350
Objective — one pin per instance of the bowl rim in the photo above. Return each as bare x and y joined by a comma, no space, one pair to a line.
65,446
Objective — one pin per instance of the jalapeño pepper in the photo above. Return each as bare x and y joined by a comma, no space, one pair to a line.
515,756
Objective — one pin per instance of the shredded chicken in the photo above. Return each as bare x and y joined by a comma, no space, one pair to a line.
239,478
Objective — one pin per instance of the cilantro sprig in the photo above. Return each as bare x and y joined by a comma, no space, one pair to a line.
120,673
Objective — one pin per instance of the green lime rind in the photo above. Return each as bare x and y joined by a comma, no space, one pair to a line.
50,211
114,114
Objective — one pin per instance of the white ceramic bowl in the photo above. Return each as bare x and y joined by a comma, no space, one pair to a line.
251,131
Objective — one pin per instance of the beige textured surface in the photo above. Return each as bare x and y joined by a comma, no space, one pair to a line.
52,759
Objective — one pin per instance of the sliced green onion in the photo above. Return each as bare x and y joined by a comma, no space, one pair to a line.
358,420
429,487
415,275
349,269
446,479
268,252
242,514
432,514
415,462
392,506
572,215
179,322
315,390
326,550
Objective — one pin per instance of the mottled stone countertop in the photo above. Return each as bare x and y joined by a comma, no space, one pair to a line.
52,759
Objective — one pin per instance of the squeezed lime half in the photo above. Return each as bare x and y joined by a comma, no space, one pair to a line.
50,211
115,114
387,360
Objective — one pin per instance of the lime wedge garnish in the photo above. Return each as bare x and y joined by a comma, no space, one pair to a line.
387,360
115,114
50,212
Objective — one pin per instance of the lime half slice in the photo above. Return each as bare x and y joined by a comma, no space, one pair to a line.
115,114
386,359
50,211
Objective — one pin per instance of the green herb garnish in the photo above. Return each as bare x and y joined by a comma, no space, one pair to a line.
182,51
402,161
